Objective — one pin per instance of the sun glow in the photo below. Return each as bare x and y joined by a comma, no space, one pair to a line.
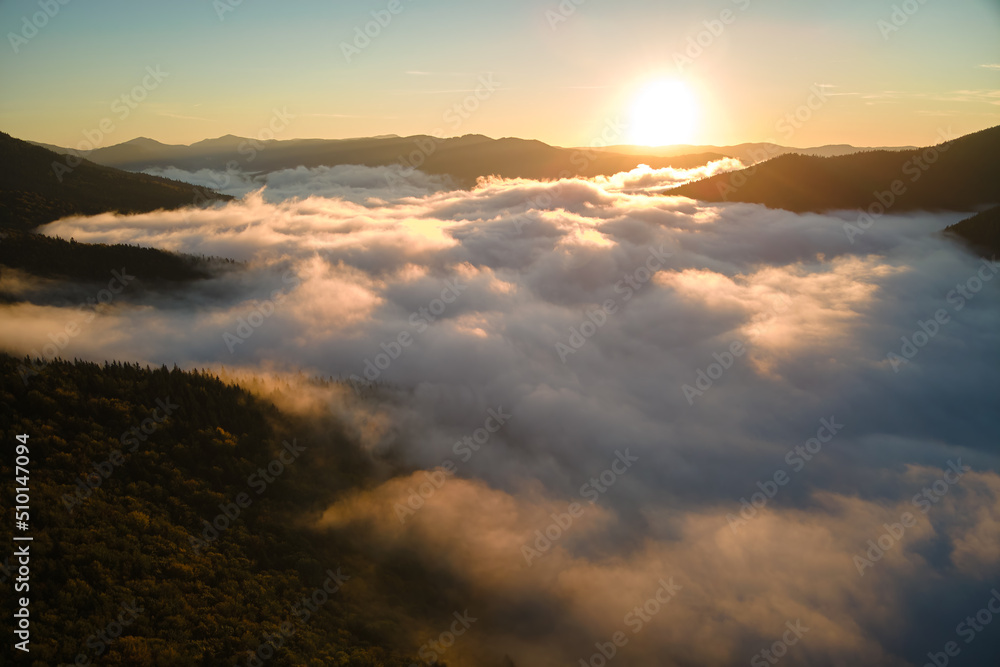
663,113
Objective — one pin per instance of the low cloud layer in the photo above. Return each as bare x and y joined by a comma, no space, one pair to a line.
375,185
552,343
350,182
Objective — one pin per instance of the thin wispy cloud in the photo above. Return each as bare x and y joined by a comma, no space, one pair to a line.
981,95
344,115
181,116
423,73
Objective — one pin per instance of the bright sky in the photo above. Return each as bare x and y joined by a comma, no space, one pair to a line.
566,77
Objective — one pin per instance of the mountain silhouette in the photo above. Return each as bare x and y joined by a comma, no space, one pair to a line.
981,231
38,185
464,159
959,175
752,152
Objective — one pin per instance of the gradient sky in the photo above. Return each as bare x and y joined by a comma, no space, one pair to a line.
562,84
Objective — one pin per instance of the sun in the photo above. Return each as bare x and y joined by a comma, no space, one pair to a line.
663,113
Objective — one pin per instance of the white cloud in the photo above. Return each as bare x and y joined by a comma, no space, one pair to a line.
526,262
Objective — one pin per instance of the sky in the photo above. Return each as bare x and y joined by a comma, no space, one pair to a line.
562,74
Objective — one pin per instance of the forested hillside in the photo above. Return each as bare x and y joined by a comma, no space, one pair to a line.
981,231
127,466
39,186
49,257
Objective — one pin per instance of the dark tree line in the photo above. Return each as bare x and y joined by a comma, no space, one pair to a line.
131,539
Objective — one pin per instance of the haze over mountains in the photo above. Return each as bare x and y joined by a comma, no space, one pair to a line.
960,174
750,152
326,283
429,333
463,158
957,174
38,186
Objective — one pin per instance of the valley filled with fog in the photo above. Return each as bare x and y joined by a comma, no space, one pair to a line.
593,392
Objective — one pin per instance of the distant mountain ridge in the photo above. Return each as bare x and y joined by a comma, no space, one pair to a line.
958,175
751,153
464,159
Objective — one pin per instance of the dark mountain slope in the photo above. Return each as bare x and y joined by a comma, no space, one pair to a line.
981,231
49,257
960,175
39,186
114,510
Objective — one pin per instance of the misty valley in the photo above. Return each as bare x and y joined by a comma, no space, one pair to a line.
405,334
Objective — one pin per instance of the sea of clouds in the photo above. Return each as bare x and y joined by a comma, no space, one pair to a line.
591,380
